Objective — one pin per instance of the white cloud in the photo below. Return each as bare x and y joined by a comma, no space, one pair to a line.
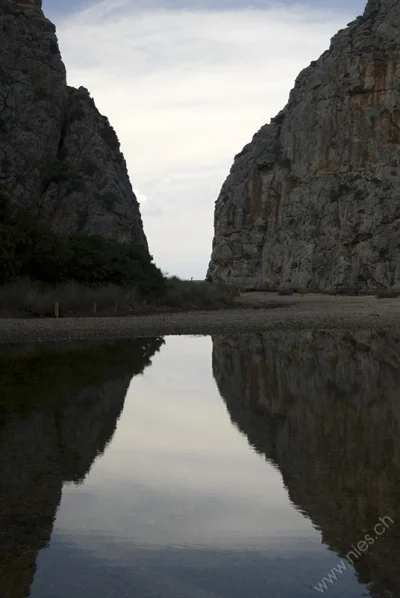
186,90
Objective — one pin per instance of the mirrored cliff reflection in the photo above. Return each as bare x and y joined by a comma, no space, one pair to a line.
59,407
325,408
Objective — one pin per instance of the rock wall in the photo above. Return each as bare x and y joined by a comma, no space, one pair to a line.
324,407
313,200
58,155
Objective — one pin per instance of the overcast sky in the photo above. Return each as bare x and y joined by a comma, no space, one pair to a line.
186,84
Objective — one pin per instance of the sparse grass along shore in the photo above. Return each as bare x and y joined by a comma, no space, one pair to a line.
27,299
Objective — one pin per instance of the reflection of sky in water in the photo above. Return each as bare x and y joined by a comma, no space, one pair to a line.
180,505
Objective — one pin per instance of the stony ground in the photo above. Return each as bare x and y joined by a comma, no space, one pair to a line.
256,312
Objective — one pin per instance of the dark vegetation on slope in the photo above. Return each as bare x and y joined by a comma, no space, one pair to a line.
39,268
30,249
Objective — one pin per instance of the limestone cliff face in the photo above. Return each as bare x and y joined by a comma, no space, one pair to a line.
58,154
314,199
324,407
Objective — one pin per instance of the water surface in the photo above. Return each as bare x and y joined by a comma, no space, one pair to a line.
200,468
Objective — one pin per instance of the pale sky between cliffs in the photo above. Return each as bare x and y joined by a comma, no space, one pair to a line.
186,85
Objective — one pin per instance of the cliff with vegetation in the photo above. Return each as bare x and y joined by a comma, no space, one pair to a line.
59,157
313,200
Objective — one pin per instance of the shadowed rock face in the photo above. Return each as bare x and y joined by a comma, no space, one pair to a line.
325,408
53,436
314,199
58,155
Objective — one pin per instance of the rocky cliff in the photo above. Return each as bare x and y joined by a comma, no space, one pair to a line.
324,408
58,154
314,199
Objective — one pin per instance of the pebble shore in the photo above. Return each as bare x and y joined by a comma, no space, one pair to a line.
257,313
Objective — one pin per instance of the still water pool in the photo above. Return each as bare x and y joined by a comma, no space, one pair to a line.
225,467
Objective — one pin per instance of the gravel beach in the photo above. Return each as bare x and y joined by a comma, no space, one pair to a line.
257,312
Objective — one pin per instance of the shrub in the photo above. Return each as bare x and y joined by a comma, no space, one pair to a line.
96,260
285,292
31,249
42,255
196,295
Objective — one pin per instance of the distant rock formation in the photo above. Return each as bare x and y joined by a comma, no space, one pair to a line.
324,407
58,412
58,155
313,200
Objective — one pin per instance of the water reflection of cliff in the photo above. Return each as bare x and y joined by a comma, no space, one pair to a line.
325,408
58,411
